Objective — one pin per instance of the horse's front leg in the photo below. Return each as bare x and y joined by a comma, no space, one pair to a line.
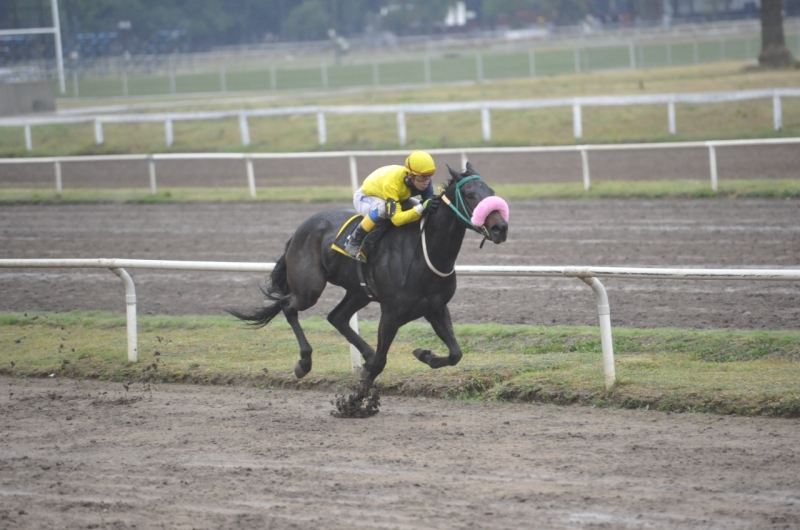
443,326
387,331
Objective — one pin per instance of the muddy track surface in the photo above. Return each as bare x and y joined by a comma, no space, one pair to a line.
646,233
85,454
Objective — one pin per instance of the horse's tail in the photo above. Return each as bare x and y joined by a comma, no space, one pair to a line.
277,291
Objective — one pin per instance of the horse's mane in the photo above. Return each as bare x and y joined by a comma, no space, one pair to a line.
469,171
452,181
447,185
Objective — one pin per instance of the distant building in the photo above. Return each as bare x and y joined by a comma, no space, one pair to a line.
668,11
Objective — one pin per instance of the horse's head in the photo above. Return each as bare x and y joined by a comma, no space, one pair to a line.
476,204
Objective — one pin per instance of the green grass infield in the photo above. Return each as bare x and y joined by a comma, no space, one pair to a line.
688,189
749,373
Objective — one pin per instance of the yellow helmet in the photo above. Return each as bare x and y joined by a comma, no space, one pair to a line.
420,163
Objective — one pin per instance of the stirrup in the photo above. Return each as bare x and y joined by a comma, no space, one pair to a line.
356,255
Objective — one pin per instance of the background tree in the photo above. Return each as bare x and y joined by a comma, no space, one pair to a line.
774,52
495,10
567,12
308,21
414,17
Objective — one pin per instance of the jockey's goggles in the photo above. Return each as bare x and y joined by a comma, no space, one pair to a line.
422,178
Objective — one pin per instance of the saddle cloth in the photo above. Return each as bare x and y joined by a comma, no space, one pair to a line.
347,228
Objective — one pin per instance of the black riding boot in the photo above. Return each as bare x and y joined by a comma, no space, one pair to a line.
353,245
373,236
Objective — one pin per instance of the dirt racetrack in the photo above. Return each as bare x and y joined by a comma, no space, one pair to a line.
85,454
654,233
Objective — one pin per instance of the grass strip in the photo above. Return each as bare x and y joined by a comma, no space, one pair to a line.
685,189
724,372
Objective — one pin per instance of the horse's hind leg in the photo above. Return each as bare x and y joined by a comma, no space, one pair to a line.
303,366
304,294
443,326
340,319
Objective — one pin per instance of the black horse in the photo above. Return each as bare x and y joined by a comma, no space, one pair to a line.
411,268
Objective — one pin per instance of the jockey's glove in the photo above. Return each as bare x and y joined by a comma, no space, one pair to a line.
432,204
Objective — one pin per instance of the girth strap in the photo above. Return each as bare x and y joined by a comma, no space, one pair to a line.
362,280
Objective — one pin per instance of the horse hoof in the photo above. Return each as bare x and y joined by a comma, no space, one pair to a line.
423,355
299,371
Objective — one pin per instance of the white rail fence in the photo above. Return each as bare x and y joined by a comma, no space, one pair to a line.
401,110
248,158
588,275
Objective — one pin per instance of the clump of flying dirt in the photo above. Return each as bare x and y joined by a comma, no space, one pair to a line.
362,404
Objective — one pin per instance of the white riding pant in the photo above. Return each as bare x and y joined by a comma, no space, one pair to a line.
364,204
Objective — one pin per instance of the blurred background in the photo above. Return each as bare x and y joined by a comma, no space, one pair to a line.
221,41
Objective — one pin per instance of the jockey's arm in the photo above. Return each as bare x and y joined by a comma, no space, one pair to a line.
407,216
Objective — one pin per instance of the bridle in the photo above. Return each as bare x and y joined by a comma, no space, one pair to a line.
462,209
464,213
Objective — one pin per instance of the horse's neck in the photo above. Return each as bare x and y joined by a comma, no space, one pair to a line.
444,235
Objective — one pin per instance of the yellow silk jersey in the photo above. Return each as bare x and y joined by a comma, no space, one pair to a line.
388,183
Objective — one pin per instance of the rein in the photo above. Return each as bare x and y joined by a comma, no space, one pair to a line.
462,211
425,251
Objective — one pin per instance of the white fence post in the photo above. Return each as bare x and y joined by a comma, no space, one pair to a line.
244,130
671,116
777,116
28,138
59,186
632,55
587,183
168,132
577,121
464,160
322,131
606,341
712,162
486,124
401,128
353,173
98,132
641,56
151,163
251,176
355,355
130,312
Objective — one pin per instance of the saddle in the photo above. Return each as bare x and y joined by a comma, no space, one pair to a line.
344,232
349,226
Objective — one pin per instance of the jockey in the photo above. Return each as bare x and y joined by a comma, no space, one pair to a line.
377,199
